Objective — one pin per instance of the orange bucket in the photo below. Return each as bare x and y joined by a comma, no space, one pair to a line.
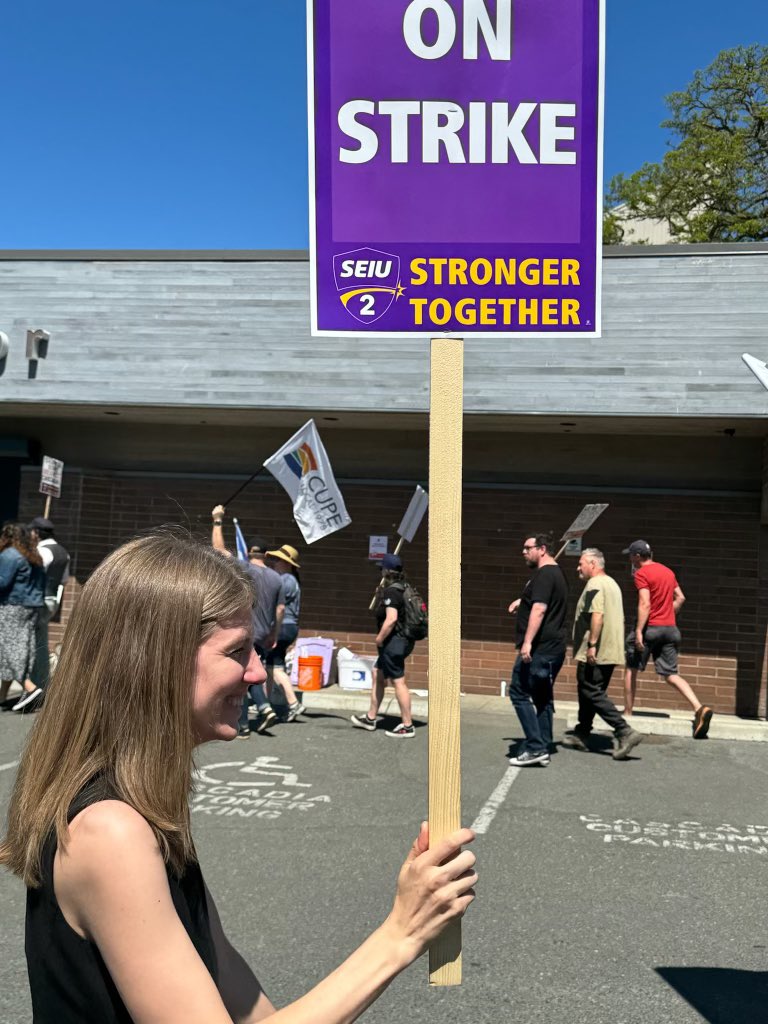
311,672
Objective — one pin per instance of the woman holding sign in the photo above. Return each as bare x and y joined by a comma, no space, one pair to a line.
156,660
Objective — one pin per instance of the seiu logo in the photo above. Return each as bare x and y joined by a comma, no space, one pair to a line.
365,268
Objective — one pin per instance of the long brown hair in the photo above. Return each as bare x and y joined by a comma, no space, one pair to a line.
390,576
119,705
16,535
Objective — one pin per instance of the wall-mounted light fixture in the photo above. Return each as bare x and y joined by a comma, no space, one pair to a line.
37,345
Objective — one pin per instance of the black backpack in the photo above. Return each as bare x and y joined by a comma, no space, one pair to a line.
414,622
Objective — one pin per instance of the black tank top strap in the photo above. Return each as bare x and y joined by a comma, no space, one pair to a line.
68,979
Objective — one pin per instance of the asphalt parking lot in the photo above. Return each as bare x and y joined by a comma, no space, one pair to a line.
617,893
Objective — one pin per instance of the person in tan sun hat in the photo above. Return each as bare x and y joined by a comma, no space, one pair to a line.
286,554
285,560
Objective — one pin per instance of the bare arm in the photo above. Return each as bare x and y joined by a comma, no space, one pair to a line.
113,890
535,620
389,623
112,887
595,628
279,616
678,599
538,611
514,606
351,988
643,611
270,641
217,531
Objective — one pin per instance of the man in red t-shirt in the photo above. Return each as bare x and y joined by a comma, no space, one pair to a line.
659,599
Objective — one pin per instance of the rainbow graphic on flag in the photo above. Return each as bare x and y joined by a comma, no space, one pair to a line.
301,461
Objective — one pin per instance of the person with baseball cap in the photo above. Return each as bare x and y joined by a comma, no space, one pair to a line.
393,648
659,599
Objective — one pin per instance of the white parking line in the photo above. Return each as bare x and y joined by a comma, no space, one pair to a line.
5,767
488,812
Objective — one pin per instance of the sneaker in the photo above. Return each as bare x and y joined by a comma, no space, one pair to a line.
627,742
28,701
294,710
401,732
243,733
267,718
575,740
363,722
528,759
701,721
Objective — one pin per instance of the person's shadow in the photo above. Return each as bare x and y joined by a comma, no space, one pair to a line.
721,995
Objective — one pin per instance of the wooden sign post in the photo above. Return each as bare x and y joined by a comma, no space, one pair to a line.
446,404
505,206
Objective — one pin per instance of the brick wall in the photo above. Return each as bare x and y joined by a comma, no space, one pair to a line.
714,543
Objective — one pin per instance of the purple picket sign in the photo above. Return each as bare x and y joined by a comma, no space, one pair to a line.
455,166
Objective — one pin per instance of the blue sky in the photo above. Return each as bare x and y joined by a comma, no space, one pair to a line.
169,124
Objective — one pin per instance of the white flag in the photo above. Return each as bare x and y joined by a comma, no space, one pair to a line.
302,467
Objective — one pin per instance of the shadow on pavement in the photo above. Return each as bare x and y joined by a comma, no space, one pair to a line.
313,716
390,721
720,994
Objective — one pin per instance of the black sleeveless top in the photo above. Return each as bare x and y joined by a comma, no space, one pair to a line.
69,981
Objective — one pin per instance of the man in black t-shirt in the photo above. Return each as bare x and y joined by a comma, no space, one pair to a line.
540,637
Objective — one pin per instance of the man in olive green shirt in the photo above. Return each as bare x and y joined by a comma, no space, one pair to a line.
598,646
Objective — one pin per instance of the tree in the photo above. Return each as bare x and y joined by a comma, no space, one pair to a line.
712,185
613,232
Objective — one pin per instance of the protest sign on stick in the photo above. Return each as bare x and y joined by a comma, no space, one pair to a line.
414,514
50,481
758,367
455,179
583,521
409,524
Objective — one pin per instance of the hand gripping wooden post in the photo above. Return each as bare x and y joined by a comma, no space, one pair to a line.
445,446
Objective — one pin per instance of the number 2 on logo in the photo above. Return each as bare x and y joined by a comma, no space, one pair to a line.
366,305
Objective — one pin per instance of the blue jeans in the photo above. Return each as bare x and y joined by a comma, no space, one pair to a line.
532,694
255,694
